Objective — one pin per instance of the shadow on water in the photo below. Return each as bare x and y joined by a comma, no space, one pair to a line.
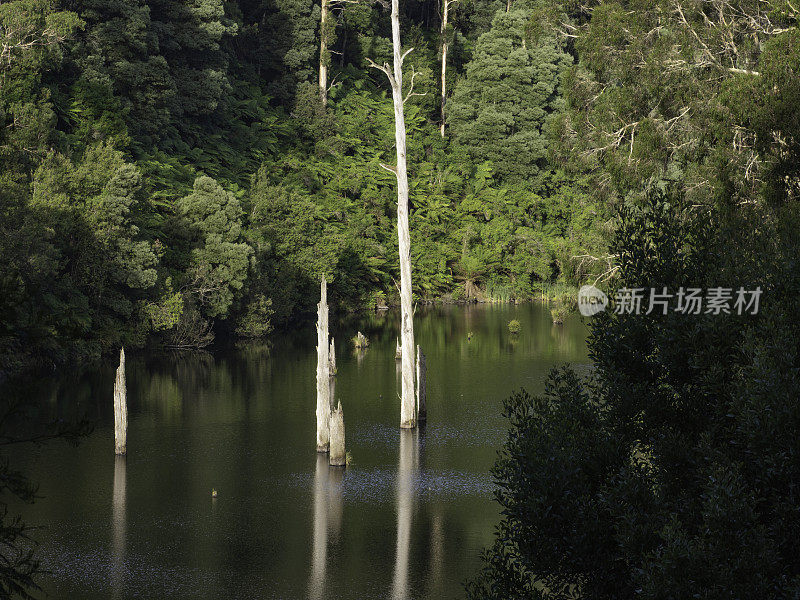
406,519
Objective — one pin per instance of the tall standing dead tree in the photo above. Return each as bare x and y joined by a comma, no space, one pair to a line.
120,408
323,371
395,74
446,4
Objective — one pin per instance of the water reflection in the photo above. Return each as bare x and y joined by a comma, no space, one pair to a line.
408,465
320,539
119,527
202,421
335,504
328,507
437,552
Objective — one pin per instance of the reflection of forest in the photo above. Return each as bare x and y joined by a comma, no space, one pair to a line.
223,385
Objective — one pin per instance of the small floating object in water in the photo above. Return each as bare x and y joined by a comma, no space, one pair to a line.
213,493
469,336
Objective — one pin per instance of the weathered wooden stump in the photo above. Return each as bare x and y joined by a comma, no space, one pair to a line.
360,341
332,359
338,457
323,371
120,408
422,390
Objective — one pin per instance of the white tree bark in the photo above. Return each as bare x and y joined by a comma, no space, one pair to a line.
120,408
323,371
337,456
445,16
395,74
323,53
332,360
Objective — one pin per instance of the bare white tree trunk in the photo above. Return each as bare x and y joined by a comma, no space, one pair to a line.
337,456
395,74
323,371
120,408
407,414
332,361
445,13
323,53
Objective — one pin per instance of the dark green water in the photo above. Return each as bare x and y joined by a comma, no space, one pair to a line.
406,520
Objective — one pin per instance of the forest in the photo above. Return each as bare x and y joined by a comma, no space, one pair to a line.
171,171
174,172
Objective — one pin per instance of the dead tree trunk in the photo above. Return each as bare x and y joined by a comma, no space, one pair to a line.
422,388
323,53
445,16
395,75
120,408
338,457
323,374
332,360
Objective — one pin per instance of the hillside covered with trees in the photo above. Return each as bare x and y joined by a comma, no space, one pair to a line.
171,171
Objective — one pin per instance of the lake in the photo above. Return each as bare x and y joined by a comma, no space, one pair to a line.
407,519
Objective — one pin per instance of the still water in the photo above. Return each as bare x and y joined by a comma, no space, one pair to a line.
407,519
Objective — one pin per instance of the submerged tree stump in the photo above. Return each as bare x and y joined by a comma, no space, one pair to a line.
360,341
120,408
422,389
323,371
338,457
398,351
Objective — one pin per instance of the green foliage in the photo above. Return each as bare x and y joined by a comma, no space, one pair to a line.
219,259
185,143
667,471
166,313
514,327
499,109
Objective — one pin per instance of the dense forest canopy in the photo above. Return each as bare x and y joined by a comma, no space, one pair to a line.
170,170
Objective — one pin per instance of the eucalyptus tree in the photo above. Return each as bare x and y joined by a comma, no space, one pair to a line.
395,75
